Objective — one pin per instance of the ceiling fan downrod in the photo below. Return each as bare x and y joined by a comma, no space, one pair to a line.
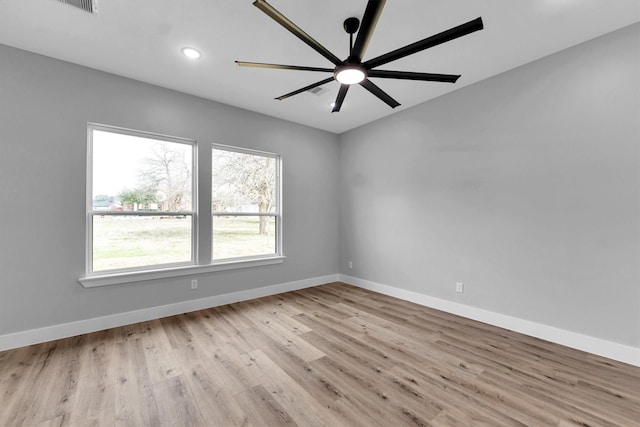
351,26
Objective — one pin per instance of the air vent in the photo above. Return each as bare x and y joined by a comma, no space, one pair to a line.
317,90
90,6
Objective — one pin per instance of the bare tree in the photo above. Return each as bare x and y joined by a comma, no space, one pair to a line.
168,172
244,179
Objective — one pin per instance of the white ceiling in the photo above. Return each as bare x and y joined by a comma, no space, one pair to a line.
141,39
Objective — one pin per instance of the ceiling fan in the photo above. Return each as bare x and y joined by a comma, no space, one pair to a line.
353,70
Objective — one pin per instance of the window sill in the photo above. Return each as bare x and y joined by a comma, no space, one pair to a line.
139,276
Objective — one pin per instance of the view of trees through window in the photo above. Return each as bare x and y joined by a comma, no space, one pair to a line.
142,208
244,203
142,214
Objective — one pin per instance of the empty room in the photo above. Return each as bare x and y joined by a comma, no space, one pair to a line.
327,213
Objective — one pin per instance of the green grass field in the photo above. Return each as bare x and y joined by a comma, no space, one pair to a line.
130,242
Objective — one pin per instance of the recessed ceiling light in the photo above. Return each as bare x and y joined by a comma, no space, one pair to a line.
191,53
333,104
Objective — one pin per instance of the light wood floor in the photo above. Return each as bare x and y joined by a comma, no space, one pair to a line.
333,355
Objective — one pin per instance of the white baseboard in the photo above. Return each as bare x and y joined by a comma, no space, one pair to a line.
65,330
611,350
615,351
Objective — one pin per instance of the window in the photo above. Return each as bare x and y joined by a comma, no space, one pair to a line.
142,214
245,203
140,204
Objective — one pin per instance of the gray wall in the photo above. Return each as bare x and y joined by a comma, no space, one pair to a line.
524,186
44,109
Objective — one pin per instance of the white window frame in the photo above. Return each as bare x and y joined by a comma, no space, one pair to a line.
91,127
277,215
197,265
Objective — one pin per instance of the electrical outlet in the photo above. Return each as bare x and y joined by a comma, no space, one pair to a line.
194,284
459,287
350,265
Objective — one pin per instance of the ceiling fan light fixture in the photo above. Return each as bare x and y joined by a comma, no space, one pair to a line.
350,74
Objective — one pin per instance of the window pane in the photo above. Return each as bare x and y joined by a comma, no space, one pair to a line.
134,241
134,173
241,236
243,182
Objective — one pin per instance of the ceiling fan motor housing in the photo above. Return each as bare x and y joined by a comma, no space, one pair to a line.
351,25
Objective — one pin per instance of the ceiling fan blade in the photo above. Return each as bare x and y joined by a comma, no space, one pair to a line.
282,67
369,20
340,98
368,85
423,44
409,75
295,30
306,88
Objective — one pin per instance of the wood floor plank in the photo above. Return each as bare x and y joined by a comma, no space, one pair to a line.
269,313
561,408
176,403
413,339
287,337
59,421
131,332
310,306
459,395
158,354
282,304
332,355
234,370
135,405
348,414
262,409
355,399
365,394
204,331
226,331
56,382
18,371
323,391
295,400
214,401
94,398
